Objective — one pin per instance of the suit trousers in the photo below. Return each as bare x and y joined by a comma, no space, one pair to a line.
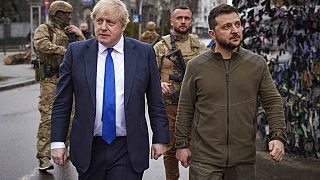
110,161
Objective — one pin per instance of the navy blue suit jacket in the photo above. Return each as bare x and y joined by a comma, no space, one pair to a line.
78,76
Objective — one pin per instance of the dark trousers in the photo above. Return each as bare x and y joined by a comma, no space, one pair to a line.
110,161
200,171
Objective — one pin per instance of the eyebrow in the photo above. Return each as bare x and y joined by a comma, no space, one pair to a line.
230,23
185,16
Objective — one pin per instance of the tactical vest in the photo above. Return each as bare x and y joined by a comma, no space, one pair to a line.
57,37
189,49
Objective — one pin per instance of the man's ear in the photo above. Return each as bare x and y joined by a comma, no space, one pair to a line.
171,23
212,33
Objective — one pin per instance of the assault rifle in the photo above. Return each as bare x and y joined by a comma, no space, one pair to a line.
175,56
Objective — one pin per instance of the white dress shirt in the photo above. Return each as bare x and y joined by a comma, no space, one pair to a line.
118,61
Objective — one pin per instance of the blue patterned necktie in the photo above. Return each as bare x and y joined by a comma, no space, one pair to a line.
109,101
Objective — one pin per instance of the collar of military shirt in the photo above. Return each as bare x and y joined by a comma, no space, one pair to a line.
180,37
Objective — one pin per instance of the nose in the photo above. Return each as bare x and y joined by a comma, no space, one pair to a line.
234,29
104,25
183,20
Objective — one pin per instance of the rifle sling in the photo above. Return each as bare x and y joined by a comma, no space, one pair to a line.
50,32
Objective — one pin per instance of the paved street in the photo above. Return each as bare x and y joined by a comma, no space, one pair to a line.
16,75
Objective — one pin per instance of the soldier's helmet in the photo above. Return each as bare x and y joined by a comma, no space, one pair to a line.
59,6
151,26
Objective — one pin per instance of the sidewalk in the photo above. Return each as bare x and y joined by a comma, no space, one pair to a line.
17,75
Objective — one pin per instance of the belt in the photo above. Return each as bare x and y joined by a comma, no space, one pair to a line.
97,138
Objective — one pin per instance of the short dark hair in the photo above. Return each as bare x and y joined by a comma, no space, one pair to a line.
221,9
184,7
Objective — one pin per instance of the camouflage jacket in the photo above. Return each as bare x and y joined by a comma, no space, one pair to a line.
150,37
190,47
52,45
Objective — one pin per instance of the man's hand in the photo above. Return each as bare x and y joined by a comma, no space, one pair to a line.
276,149
157,150
75,29
183,155
165,87
59,155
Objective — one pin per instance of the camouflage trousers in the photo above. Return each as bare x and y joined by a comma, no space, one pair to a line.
46,98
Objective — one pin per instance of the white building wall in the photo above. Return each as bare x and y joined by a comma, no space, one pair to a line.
200,20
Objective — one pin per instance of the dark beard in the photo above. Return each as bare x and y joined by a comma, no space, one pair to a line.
225,45
182,32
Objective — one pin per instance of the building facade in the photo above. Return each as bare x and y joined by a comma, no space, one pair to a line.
200,19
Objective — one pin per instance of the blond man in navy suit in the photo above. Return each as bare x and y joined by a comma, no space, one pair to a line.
82,78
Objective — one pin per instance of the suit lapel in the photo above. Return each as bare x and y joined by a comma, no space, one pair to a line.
130,61
90,58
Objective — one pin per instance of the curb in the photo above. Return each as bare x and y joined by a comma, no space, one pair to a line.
16,85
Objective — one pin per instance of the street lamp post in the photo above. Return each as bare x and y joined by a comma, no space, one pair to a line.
33,8
140,16
6,32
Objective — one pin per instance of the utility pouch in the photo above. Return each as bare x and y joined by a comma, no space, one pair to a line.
175,97
36,68
42,70
55,61
48,70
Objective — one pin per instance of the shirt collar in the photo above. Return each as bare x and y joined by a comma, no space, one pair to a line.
118,47
219,56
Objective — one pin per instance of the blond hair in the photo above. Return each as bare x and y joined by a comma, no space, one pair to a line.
115,7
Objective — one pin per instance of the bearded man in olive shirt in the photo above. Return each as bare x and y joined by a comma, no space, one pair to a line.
218,106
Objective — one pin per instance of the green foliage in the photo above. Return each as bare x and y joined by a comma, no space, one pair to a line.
9,9
165,22
132,30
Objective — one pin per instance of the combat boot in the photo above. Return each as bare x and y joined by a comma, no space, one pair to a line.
45,164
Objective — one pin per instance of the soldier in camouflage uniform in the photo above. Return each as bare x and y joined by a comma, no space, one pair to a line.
190,46
150,35
51,41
